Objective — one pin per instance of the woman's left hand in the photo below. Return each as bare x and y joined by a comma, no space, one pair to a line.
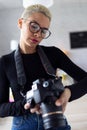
64,98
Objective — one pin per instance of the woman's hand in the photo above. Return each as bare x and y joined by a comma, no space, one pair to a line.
62,101
64,98
33,110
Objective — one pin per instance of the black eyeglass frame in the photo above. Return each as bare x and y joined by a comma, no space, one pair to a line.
40,28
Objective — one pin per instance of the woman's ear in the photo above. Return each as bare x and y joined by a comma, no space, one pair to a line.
20,23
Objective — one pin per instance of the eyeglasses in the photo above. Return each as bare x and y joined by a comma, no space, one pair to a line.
35,28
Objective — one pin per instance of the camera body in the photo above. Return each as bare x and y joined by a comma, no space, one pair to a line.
45,93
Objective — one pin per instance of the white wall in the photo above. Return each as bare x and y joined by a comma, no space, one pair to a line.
67,17
8,28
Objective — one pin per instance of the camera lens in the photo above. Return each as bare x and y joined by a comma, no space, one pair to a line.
52,116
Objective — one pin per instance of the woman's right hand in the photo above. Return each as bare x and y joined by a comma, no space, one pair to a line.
36,109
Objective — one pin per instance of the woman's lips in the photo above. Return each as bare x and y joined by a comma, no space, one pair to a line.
34,40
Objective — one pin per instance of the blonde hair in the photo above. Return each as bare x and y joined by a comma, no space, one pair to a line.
36,8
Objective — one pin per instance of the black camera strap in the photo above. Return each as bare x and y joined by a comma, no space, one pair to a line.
46,63
21,77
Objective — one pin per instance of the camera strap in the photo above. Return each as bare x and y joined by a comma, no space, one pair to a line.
21,77
46,63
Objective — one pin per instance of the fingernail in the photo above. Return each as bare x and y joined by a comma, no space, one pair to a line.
58,103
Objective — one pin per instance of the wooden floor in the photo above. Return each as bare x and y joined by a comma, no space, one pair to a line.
76,114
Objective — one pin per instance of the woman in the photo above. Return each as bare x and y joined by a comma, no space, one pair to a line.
20,68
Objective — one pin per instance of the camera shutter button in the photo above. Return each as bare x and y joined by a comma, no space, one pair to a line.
45,84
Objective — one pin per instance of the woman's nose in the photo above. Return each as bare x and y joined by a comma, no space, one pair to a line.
38,34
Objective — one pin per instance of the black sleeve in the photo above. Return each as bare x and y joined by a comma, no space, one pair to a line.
78,89
8,108
78,74
12,109
67,65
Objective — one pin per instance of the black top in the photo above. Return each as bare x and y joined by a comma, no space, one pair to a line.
35,70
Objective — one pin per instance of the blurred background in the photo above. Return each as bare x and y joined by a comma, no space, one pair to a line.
69,33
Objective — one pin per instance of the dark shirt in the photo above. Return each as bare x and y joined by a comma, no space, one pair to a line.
34,70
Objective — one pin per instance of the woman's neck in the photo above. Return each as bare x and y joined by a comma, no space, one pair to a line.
27,49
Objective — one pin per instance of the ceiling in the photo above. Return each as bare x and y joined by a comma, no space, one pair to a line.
18,3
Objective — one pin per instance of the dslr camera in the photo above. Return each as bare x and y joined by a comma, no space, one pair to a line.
45,93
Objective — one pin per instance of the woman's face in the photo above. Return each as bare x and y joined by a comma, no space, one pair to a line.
33,29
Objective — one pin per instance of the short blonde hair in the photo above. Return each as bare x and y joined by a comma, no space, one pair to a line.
36,8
